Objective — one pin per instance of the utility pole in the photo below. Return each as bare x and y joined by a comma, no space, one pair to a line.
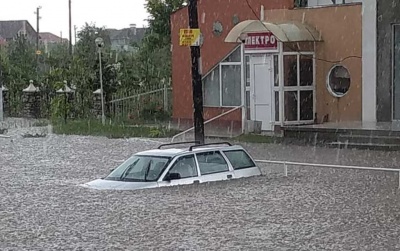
70,28
37,36
196,77
75,29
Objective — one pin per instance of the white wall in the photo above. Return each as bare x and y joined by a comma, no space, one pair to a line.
369,70
312,3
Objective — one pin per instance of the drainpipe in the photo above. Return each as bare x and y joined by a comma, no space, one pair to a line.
262,16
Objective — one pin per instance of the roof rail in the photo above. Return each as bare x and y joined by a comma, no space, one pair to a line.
210,144
179,143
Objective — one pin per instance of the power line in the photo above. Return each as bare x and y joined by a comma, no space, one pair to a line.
295,50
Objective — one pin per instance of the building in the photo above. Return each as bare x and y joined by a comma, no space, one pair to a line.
51,41
301,65
9,30
123,40
50,38
384,42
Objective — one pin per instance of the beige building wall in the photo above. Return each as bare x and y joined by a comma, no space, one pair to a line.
341,31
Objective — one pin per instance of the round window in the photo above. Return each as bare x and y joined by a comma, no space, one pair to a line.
338,81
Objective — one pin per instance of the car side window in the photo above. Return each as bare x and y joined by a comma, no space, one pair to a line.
239,159
185,166
212,162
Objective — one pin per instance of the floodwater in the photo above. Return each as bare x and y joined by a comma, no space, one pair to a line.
42,206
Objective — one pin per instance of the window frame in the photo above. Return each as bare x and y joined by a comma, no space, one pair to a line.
298,89
228,163
328,86
220,66
239,150
172,163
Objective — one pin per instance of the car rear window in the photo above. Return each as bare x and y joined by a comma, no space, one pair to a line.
239,159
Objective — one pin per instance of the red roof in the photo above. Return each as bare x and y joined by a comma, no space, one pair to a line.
50,37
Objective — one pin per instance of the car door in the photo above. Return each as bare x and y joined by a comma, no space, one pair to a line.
186,167
213,167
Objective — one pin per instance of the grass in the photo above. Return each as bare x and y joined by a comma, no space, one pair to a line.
41,123
95,128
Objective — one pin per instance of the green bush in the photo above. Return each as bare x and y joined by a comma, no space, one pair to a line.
110,130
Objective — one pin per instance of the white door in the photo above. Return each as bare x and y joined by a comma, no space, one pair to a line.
261,90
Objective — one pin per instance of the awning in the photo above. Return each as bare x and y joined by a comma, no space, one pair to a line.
284,32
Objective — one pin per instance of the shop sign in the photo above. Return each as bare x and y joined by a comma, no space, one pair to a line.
261,41
190,37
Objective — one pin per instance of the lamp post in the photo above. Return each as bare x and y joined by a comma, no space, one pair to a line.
100,43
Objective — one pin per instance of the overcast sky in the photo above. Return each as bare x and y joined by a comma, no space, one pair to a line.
112,14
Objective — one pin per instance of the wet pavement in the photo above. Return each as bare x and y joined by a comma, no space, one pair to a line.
43,208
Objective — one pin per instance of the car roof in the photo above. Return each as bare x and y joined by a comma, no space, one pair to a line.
172,152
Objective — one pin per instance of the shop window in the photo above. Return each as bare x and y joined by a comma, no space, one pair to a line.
247,70
231,85
248,104
306,105
222,86
212,89
300,3
277,107
338,81
276,70
290,70
291,106
306,70
298,87
235,56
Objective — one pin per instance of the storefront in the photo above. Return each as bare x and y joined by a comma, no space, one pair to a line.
293,68
279,76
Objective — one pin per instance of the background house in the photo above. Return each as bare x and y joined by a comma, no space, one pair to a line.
51,41
123,40
50,38
9,30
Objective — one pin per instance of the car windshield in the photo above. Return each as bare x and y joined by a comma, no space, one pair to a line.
140,169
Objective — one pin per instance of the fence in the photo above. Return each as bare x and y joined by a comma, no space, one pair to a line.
145,102
288,163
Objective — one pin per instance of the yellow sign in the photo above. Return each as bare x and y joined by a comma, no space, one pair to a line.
38,52
190,37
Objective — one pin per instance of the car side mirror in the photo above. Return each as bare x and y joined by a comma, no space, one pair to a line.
172,176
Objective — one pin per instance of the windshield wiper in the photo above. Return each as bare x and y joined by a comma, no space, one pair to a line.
128,169
147,170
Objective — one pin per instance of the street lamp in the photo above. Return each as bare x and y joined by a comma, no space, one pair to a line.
100,43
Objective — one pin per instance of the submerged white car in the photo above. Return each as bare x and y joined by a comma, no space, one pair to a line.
171,167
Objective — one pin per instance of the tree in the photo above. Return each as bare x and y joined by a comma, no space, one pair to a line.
159,22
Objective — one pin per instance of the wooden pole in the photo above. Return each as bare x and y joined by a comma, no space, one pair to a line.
196,77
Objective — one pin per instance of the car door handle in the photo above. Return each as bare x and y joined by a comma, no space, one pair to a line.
229,176
196,182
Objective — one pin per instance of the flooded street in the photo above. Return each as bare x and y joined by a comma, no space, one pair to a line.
42,206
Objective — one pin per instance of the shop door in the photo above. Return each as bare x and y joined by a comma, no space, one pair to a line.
261,90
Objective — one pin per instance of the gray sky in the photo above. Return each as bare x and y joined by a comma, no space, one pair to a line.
112,14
